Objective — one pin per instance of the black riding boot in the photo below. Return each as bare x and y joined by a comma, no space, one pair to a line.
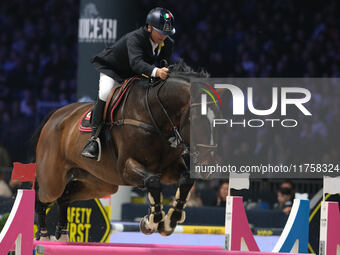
93,147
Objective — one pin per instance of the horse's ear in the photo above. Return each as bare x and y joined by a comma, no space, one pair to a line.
204,73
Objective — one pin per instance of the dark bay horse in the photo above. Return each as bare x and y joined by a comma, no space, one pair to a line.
132,154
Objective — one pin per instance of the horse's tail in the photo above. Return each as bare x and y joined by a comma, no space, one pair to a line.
35,137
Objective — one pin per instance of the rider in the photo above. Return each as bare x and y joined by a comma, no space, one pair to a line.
139,52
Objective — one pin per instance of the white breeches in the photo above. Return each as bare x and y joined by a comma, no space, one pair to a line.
106,84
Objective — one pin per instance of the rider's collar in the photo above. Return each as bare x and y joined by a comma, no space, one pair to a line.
153,44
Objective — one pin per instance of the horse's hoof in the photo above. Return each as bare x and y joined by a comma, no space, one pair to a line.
45,238
161,229
64,238
42,235
61,233
143,228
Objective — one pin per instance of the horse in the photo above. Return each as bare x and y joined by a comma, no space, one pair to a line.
145,152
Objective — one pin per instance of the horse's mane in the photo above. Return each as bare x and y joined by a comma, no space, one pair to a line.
182,70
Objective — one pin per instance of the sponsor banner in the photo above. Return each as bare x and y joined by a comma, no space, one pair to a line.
267,127
101,23
87,221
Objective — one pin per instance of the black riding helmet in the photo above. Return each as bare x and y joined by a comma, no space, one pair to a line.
161,20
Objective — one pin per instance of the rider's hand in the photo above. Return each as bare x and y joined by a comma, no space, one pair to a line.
162,73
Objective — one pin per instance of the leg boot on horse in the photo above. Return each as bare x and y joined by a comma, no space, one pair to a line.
137,175
40,209
176,214
92,149
61,231
149,224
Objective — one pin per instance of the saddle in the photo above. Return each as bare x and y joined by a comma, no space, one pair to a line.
116,96
117,100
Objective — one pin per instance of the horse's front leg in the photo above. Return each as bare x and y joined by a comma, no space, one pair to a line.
149,224
176,214
136,174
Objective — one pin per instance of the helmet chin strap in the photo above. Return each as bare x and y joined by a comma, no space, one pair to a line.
151,29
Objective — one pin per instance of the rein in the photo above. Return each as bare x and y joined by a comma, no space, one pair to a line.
175,140
154,128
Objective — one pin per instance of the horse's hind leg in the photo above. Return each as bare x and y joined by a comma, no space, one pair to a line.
85,187
40,209
176,214
61,232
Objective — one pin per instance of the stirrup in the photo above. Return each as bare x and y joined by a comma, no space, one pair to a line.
96,140
99,148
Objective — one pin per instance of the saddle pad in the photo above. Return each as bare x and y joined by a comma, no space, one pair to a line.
84,124
115,102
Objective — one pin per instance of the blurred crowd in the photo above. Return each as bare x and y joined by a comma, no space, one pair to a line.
252,38
38,63
248,38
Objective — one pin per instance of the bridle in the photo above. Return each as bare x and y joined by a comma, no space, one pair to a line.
174,138
177,139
